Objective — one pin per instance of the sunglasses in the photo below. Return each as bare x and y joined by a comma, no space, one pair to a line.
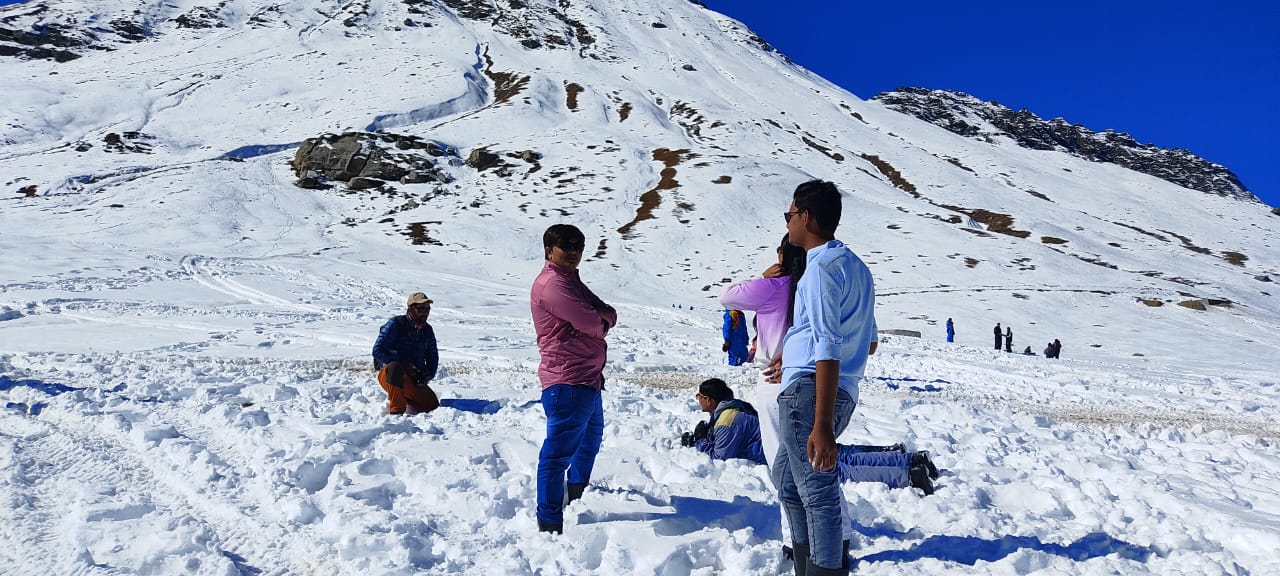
421,307
571,246
786,216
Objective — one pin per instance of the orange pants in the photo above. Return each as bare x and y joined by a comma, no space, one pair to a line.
397,378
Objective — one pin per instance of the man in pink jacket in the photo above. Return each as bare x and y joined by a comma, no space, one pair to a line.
571,323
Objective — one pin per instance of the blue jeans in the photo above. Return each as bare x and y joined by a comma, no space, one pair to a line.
575,427
811,499
858,466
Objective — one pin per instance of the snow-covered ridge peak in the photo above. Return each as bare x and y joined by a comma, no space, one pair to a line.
969,116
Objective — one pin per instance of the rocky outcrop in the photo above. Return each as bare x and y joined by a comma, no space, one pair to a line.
363,160
968,116
34,31
535,25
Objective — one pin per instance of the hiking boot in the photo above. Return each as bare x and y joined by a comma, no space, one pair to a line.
921,458
801,559
573,492
919,476
552,528
843,570
897,447
788,553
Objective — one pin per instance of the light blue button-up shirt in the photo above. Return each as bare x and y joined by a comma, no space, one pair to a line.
834,317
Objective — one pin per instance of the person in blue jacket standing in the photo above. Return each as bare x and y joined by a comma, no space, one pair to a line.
735,336
951,331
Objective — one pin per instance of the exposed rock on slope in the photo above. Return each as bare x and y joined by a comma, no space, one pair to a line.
968,116
34,32
362,160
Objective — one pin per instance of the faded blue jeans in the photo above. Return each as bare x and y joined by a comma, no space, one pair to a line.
811,499
876,466
575,427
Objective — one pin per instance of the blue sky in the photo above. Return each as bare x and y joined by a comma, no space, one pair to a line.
1204,76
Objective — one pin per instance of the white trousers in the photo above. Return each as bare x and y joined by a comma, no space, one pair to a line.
767,405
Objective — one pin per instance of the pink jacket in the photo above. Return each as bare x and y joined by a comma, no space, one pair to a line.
767,297
571,323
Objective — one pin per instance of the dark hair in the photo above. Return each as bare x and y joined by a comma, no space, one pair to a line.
821,200
715,389
794,260
564,236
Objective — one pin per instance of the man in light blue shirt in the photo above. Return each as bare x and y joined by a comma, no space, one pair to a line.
823,358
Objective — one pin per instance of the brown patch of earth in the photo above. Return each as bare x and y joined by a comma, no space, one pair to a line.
650,200
572,90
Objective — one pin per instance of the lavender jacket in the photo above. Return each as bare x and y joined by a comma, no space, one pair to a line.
767,297
571,323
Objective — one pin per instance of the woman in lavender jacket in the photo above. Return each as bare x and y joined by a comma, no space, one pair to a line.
771,298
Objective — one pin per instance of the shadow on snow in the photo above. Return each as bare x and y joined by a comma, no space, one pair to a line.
52,389
689,515
969,550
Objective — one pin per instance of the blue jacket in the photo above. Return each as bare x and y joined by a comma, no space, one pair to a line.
399,341
735,328
735,433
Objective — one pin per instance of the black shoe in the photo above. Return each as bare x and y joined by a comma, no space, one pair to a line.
788,553
921,458
801,559
573,492
552,528
898,447
919,476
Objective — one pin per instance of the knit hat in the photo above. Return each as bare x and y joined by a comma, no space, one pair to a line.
418,298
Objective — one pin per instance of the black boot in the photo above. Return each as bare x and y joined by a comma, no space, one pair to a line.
573,492
919,476
843,570
922,458
552,528
801,559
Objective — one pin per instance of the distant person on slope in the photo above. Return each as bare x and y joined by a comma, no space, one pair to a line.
998,334
735,336
1008,339
571,323
951,331
406,358
733,431
1027,351
1053,349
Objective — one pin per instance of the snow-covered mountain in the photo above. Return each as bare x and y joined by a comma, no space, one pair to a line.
161,260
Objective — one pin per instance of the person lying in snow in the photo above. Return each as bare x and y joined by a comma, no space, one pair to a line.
733,431
406,358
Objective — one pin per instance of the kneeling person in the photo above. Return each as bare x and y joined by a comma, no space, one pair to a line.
406,358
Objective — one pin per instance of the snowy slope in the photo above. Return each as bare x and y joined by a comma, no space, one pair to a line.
184,333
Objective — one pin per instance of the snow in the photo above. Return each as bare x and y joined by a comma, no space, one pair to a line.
184,339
